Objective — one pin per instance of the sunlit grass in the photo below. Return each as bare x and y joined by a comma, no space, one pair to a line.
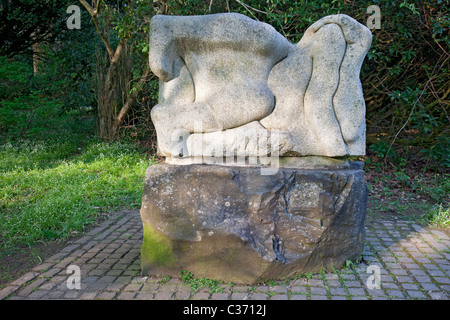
438,216
50,190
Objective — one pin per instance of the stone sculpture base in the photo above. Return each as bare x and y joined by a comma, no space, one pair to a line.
234,224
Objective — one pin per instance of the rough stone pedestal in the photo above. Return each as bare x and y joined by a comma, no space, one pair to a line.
234,224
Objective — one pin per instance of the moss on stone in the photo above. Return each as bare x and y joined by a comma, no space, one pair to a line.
156,247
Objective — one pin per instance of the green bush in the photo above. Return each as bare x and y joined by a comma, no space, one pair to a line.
48,103
29,115
27,108
404,77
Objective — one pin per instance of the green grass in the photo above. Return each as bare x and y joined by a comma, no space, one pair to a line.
196,284
437,216
423,199
50,189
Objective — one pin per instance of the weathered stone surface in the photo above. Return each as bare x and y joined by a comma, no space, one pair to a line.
320,108
213,70
234,224
222,74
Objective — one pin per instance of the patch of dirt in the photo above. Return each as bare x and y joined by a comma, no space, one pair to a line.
16,262
408,193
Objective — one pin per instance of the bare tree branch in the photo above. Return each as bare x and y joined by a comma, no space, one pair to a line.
246,6
88,7
93,13
133,96
432,76
97,7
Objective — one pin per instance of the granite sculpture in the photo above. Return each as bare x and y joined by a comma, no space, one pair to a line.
232,87
224,74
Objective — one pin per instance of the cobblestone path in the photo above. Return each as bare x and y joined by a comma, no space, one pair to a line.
413,263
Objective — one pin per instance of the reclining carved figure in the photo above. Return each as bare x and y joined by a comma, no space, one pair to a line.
226,75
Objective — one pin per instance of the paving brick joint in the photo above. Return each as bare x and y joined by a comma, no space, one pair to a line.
401,260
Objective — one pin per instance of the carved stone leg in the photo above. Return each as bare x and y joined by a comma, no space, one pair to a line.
327,52
174,123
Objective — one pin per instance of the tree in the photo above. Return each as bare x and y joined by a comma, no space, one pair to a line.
28,22
127,20
404,77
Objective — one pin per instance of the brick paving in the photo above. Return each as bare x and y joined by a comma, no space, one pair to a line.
413,263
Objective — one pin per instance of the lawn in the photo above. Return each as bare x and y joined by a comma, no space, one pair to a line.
409,193
58,188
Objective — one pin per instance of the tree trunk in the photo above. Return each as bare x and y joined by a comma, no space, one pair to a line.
113,79
36,57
